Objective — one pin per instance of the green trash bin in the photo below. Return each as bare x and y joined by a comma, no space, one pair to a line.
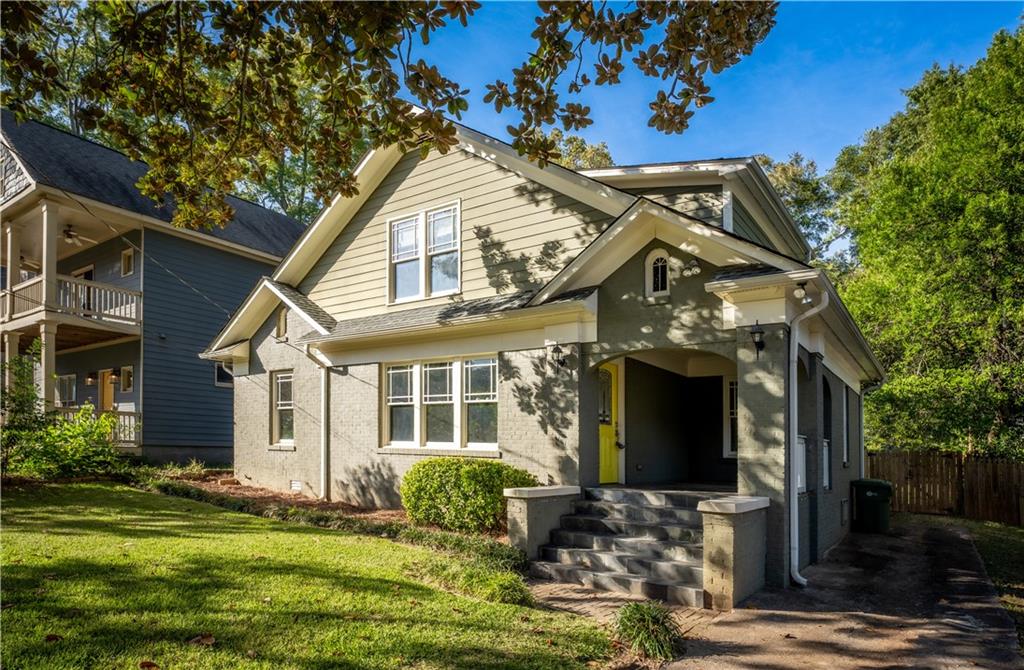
871,498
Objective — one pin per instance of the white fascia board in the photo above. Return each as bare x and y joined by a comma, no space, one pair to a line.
307,250
238,350
640,173
727,288
576,185
291,305
244,322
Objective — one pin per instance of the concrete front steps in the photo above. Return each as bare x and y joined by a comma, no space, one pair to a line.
637,541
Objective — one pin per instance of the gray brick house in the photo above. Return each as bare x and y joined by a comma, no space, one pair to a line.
649,327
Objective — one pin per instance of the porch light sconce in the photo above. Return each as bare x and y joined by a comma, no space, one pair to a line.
90,379
114,377
800,293
558,356
757,337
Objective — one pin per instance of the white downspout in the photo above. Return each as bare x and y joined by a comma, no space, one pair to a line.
794,494
325,420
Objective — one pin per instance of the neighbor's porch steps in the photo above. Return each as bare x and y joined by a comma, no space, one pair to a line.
637,541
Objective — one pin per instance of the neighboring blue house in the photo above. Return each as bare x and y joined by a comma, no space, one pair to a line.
122,300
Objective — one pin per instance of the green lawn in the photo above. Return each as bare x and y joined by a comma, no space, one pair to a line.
1002,548
105,576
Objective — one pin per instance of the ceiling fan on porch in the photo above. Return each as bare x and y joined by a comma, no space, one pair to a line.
71,236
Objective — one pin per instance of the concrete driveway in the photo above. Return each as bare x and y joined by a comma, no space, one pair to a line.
916,598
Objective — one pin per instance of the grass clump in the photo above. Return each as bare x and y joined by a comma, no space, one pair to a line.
474,578
647,629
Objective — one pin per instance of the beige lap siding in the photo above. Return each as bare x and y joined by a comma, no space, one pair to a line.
508,224
257,462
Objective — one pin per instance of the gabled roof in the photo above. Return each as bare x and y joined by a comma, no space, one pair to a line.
64,161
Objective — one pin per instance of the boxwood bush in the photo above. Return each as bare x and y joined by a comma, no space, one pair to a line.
459,493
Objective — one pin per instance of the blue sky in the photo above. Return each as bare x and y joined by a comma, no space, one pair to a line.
825,74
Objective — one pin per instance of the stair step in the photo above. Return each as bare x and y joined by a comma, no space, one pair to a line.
651,497
658,531
639,546
619,582
641,513
613,561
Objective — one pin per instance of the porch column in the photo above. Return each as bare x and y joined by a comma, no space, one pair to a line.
12,340
48,361
12,240
51,228
762,424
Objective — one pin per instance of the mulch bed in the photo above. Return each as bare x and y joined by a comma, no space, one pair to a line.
255,493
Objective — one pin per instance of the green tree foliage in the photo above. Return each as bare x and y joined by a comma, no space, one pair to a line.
210,94
935,201
24,416
576,153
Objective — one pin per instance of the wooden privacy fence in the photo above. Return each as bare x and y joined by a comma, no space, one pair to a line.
987,489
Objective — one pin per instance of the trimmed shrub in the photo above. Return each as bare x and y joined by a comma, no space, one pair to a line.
647,629
460,494
76,447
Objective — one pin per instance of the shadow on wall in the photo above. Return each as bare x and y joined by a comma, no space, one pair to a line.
551,398
517,272
372,484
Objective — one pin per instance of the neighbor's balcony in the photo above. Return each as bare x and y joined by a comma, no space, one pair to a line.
102,304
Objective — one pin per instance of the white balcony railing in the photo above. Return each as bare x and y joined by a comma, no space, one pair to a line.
126,432
79,297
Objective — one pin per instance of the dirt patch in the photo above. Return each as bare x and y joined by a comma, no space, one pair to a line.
269,497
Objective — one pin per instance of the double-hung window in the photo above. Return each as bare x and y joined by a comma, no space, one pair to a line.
283,409
442,404
424,254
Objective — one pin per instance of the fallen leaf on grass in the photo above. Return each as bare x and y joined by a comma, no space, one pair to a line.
148,665
251,653
790,636
538,631
53,638
267,599
205,640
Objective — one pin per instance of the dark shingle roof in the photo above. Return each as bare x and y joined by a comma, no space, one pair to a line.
733,272
65,161
313,310
441,314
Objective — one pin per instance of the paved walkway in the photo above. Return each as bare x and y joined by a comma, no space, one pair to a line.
916,598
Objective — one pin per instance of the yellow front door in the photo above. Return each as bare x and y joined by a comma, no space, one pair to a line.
608,429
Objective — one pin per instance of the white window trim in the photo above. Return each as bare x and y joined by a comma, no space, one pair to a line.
128,253
727,451
423,254
459,414
220,384
649,291
64,402
121,378
275,440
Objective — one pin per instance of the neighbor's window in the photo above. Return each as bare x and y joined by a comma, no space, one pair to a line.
442,404
281,327
127,379
222,376
730,426
67,391
425,254
127,262
656,274
283,419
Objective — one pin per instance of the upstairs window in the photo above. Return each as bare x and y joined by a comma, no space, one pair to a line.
424,254
127,262
656,274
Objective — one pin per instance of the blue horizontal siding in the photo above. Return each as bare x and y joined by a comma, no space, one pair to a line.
182,405
81,363
106,261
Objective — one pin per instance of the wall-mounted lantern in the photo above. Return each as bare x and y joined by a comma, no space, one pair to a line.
90,379
115,376
558,356
757,337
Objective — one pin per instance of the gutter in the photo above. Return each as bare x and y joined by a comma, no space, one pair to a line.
325,420
794,495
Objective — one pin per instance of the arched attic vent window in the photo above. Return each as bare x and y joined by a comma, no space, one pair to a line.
656,274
